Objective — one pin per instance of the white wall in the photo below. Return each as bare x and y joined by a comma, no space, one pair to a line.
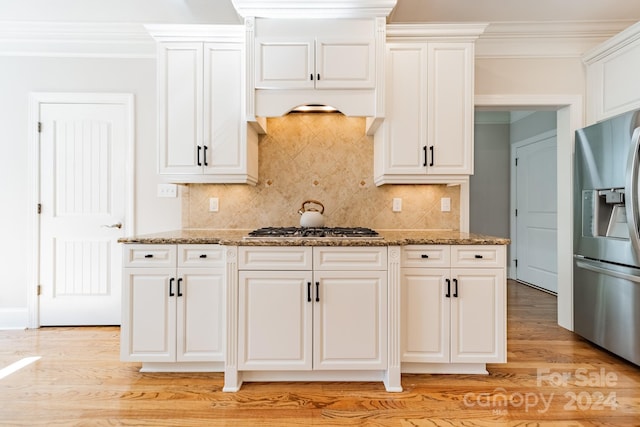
18,77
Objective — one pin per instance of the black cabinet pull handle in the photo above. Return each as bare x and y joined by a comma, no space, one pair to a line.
317,291
424,256
148,256
203,255
433,157
318,76
308,291
171,294
455,292
478,256
448,294
205,155
199,149
311,76
425,156
179,291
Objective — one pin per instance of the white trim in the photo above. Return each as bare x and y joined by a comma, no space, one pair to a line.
570,111
549,39
437,31
314,8
512,202
75,40
615,43
197,33
36,99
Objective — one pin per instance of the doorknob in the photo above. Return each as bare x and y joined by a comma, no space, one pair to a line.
117,225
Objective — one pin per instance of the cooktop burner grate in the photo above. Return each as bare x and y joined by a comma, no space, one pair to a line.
312,232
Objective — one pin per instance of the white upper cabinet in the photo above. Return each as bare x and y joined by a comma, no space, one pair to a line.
336,62
320,63
202,133
612,76
427,134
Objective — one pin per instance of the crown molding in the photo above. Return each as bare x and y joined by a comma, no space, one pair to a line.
615,43
314,8
453,31
560,39
189,32
67,39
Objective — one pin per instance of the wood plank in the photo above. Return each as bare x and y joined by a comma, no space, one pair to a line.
80,381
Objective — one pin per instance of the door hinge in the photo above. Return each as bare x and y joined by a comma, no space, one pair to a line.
39,208
39,289
39,127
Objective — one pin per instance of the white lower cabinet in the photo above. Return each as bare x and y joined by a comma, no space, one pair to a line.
328,315
173,304
453,307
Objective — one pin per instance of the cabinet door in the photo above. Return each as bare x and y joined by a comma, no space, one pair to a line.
285,63
180,107
350,320
148,315
401,150
478,316
345,63
223,141
425,315
275,320
450,110
200,315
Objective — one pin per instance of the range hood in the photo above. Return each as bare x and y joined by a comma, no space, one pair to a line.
328,53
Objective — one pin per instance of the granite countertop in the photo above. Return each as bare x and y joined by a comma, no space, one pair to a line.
389,238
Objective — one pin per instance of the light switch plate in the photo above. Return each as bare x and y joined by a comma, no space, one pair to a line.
167,190
445,204
213,204
397,204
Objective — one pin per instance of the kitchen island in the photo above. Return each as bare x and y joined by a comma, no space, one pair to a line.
314,309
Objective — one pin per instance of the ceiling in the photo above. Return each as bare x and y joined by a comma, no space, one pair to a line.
514,10
222,11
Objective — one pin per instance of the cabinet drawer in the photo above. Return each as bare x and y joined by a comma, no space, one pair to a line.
349,258
274,258
200,256
149,256
426,256
478,256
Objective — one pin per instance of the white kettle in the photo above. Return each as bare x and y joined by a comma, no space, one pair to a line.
311,216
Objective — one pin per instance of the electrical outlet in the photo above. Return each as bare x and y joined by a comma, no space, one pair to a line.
167,190
445,204
213,204
397,204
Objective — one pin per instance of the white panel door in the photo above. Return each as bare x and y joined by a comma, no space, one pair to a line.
425,315
451,108
223,80
350,320
345,63
275,320
180,114
285,63
478,315
536,220
200,315
82,183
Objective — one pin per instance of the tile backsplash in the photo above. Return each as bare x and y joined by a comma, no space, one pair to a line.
325,157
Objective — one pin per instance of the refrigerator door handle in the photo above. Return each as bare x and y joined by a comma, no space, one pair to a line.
600,267
632,201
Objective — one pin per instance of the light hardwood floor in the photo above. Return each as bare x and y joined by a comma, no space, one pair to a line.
553,378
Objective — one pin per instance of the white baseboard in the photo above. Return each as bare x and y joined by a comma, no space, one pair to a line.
14,318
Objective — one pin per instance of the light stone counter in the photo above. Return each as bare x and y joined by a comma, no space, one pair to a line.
389,238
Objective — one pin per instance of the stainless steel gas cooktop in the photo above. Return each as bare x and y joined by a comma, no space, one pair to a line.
313,232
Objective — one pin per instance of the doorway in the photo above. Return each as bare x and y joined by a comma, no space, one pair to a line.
84,204
569,115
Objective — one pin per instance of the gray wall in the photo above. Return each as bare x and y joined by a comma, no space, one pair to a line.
489,186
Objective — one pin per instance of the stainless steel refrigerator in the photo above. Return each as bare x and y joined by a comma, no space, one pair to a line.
606,270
